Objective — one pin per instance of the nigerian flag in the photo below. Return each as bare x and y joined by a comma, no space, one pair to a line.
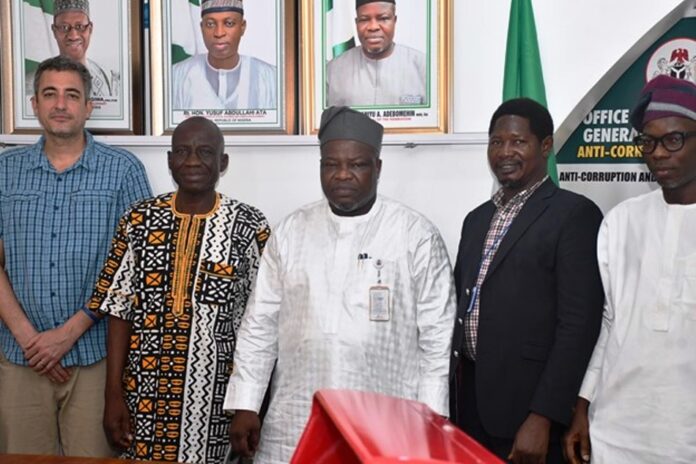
523,75
340,26
185,17
39,43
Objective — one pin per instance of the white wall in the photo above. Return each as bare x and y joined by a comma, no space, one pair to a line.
579,41
444,181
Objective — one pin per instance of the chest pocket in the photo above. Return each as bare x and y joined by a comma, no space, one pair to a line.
357,292
93,205
19,211
217,282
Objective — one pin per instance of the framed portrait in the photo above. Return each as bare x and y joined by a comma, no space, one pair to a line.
385,59
104,35
236,68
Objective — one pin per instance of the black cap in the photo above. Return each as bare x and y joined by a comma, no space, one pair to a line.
359,3
343,123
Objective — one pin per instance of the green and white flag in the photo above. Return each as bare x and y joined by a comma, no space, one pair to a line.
523,74
340,26
186,29
39,43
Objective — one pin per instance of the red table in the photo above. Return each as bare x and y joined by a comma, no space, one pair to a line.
348,427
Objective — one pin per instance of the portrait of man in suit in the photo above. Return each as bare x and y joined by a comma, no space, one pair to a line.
529,297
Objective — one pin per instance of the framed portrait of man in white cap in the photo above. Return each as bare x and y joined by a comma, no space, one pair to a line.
103,35
231,61
386,58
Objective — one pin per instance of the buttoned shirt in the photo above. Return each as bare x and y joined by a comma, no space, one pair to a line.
505,214
56,228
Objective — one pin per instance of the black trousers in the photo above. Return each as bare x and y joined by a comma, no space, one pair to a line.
470,422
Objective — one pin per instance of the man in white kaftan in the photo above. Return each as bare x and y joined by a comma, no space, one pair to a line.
355,79
198,85
311,308
641,379
378,72
222,78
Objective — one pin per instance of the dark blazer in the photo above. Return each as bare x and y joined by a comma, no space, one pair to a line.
540,309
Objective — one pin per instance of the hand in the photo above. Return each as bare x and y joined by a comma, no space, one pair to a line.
46,349
117,421
244,433
58,374
531,441
576,441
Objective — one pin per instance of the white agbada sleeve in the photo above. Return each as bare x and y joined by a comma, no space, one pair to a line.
594,368
257,342
436,306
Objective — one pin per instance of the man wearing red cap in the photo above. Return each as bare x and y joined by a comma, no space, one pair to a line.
636,403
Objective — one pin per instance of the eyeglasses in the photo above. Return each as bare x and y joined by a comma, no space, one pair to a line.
67,28
672,141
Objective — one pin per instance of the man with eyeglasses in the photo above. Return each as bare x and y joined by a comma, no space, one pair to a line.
223,78
72,30
637,403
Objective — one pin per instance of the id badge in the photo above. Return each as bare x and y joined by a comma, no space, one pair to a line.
379,303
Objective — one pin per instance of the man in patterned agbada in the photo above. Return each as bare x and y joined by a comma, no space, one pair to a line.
175,287
354,292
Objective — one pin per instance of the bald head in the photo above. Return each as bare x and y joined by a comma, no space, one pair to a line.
199,124
197,157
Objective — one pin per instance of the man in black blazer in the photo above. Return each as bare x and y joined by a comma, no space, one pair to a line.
529,297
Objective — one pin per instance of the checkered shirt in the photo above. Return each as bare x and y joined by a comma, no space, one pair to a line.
504,215
56,229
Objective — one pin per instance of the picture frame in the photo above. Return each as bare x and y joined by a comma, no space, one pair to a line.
258,103
418,103
112,56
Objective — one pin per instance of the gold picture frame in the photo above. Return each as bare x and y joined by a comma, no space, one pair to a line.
428,33
269,38
113,58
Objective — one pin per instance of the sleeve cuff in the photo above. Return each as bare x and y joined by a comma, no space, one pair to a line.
589,384
244,396
435,395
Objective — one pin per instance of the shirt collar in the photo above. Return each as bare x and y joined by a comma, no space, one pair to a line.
352,220
38,158
520,197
